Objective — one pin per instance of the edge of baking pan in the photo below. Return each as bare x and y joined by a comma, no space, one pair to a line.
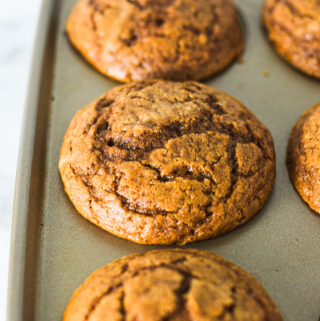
25,233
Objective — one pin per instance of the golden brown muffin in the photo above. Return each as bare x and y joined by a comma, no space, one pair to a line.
303,156
294,28
160,162
171,285
142,39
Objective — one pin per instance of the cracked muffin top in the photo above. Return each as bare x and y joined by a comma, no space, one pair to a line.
159,162
170,39
294,28
303,156
171,285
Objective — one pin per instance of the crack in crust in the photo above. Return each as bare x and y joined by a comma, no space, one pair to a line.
113,288
167,285
181,161
99,7
136,3
294,10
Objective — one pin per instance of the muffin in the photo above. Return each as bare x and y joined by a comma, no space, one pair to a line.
143,39
303,156
175,285
161,162
294,28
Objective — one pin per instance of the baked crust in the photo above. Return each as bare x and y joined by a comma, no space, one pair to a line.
294,28
303,156
171,285
170,39
159,162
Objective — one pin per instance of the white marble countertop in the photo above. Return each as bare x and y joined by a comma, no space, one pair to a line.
18,21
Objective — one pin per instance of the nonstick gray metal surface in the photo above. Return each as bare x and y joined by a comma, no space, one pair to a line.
54,249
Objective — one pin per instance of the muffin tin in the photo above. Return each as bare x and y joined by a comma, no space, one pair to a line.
54,249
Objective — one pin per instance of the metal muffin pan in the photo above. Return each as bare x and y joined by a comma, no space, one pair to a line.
54,249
